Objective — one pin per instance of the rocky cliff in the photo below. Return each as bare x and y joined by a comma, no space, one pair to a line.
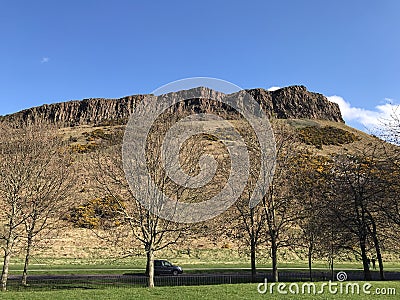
290,102
75,113
296,102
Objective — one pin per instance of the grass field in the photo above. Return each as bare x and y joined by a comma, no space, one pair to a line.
47,266
70,266
236,291
104,268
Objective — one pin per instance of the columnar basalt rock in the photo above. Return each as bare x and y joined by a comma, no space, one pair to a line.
296,102
289,102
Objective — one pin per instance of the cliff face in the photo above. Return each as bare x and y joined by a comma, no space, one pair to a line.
75,113
290,102
295,102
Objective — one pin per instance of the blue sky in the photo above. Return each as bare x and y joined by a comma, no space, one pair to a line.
53,51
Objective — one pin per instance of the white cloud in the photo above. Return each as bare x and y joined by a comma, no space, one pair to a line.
45,60
369,119
273,88
389,100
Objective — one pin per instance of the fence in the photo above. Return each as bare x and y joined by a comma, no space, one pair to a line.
121,281
139,280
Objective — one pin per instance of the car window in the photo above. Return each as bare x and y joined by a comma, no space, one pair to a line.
167,264
157,263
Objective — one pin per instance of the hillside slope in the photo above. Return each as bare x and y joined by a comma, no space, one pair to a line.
87,124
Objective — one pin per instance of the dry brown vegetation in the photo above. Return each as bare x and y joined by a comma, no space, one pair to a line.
85,194
102,208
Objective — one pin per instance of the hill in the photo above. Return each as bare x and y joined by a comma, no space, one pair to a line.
90,124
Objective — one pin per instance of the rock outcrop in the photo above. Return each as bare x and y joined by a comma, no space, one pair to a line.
295,102
290,102
77,112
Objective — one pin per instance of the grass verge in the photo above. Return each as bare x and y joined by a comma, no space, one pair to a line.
235,291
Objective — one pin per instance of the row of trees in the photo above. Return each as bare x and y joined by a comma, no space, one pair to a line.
36,174
324,204
327,204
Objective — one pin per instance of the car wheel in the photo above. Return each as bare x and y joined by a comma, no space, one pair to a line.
175,272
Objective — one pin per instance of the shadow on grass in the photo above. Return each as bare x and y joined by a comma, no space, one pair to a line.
37,288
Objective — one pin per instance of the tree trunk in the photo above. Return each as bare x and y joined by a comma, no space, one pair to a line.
380,261
367,273
6,265
7,253
147,263
150,268
310,251
378,250
253,260
274,256
27,258
332,256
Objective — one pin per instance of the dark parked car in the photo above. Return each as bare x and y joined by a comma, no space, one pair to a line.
164,267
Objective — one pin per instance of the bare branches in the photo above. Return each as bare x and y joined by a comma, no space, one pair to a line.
37,178
138,222
390,129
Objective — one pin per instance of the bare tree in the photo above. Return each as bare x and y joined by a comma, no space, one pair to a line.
390,132
311,184
248,220
279,202
34,171
45,201
390,205
14,155
389,171
390,129
251,225
359,187
143,225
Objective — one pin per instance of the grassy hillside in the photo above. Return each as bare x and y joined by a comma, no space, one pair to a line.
319,136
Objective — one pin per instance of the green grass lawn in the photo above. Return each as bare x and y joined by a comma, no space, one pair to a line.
228,291
70,268
136,265
199,260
